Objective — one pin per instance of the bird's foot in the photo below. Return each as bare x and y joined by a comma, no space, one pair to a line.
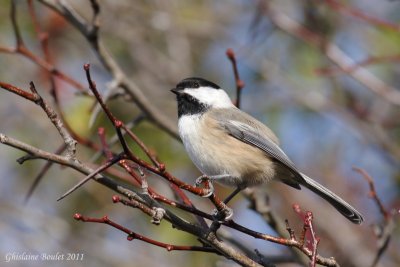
223,215
208,182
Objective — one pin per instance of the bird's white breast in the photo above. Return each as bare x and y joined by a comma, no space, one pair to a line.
189,130
202,149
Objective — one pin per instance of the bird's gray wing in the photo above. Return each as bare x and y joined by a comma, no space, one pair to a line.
249,135
250,131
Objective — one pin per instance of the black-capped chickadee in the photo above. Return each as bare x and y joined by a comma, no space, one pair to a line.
231,147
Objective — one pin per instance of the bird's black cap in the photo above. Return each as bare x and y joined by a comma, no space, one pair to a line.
195,82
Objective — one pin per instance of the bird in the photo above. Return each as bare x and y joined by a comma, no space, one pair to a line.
231,147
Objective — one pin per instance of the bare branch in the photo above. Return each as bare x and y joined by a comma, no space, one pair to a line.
385,229
283,241
259,202
51,114
112,66
18,91
132,235
23,50
93,174
42,173
372,193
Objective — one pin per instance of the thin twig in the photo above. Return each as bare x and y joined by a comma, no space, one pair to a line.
18,91
239,83
144,148
259,202
69,141
372,193
65,161
42,173
132,235
35,97
385,229
282,241
21,49
137,95
103,167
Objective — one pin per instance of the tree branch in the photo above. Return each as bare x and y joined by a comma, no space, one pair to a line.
132,235
384,230
152,113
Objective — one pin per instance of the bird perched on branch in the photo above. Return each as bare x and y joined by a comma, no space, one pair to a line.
233,148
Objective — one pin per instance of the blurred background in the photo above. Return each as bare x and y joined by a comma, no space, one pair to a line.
327,121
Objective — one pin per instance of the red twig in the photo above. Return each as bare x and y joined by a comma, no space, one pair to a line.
386,228
93,88
308,238
116,123
304,232
132,235
21,49
218,203
18,91
239,83
147,151
314,239
373,194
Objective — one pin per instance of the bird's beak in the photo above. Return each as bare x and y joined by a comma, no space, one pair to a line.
176,91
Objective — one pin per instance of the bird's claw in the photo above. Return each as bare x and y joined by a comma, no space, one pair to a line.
201,180
224,214
210,189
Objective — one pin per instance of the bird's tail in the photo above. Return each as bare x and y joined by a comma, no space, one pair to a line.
338,203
